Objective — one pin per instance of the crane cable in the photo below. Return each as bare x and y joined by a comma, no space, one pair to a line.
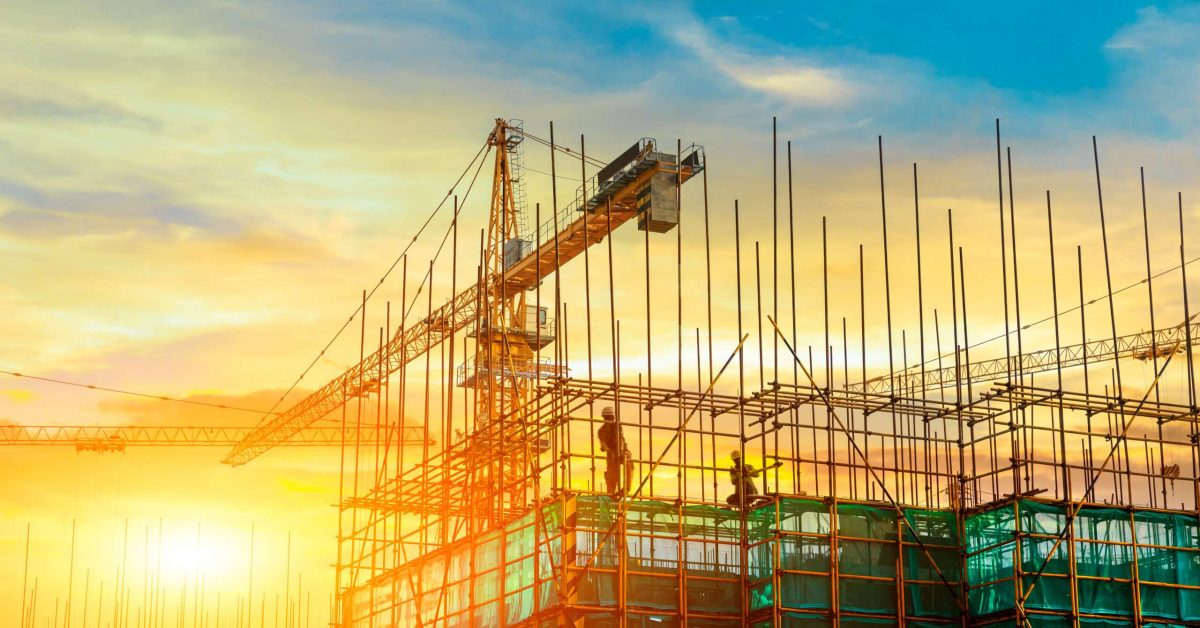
1051,317
371,293
120,391
446,236
272,409
559,147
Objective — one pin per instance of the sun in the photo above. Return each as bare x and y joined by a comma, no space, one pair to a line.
212,555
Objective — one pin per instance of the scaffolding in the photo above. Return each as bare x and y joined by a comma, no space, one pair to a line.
808,561
1023,487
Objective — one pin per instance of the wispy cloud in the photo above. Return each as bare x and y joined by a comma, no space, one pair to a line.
795,80
1158,60
69,107
1158,30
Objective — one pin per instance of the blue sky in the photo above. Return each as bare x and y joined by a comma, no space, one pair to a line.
908,65
1033,47
1029,47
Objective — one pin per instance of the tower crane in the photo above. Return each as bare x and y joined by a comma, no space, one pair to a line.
642,182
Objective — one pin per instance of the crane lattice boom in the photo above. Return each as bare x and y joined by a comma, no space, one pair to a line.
118,437
1141,346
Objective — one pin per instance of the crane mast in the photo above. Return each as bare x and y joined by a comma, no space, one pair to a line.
503,356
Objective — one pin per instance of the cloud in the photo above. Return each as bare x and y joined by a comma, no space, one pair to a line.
17,395
1155,31
295,486
795,80
825,96
145,207
69,107
1158,63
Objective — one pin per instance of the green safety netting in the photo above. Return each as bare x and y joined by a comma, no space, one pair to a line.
710,545
1104,562
798,620
804,553
938,532
990,543
868,556
708,596
805,591
804,515
867,622
504,562
790,556
1174,558
930,600
1100,622
866,522
1053,621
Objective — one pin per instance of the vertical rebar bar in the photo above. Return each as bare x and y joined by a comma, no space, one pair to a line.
25,578
1020,368
1058,367
921,324
1153,324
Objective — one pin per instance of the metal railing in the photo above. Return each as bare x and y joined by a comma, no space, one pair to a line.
593,192
472,369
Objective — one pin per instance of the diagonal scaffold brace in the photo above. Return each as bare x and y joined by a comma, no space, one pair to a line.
870,469
1069,525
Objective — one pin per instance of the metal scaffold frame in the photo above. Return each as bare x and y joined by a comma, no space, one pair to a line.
873,490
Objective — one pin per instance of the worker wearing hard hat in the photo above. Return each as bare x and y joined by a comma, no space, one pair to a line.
616,454
745,492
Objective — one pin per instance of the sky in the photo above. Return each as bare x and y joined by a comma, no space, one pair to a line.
194,196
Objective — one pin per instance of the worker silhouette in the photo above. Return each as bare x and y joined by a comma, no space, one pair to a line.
745,492
616,454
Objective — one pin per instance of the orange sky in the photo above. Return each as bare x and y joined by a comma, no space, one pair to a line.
192,202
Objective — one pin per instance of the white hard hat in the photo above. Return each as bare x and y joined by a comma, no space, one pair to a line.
608,411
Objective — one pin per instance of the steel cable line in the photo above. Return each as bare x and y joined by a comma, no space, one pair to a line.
559,176
900,514
271,410
442,244
133,393
559,147
371,293
1104,297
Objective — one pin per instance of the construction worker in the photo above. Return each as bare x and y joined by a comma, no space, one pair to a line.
616,454
742,475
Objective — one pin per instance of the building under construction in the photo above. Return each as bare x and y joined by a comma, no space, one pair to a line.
968,483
